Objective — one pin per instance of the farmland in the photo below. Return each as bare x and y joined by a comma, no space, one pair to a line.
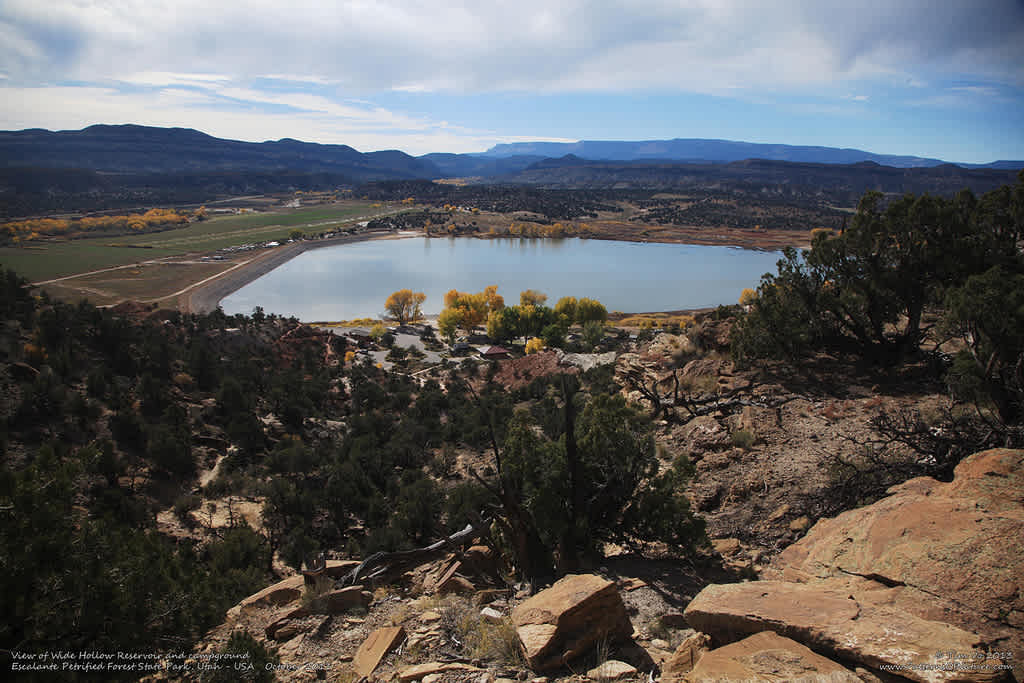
48,259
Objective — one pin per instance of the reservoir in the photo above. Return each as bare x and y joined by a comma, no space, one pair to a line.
353,280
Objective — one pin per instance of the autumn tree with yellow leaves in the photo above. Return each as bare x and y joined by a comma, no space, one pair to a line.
404,305
463,310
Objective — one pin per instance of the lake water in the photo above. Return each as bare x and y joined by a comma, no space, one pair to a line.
353,280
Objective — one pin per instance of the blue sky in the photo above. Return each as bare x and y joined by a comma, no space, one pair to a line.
936,79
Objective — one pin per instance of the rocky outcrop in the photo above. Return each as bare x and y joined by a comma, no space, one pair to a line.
281,593
927,583
344,599
419,671
566,620
767,656
941,551
612,670
833,622
685,657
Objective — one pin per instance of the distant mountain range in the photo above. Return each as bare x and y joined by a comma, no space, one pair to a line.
104,166
843,184
144,149
717,151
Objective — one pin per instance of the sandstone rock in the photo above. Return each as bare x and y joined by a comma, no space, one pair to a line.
631,583
480,560
779,512
612,670
291,648
832,622
281,593
800,524
701,367
714,334
491,615
685,657
726,546
344,599
419,671
456,584
767,656
666,344
339,568
703,433
942,551
450,582
377,644
288,631
282,619
564,621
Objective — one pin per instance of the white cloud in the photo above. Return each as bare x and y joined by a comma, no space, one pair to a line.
163,78
72,107
266,69
532,45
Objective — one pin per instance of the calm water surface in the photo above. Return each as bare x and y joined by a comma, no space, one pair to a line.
353,280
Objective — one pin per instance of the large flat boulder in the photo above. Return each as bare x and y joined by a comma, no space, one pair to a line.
377,644
767,656
836,623
281,593
566,620
942,551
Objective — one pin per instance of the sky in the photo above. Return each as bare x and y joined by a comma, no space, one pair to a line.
942,79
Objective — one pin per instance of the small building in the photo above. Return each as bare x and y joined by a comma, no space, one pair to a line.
461,349
495,353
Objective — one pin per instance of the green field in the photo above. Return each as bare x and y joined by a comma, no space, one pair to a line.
43,260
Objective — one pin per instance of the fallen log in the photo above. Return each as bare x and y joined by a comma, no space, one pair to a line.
381,563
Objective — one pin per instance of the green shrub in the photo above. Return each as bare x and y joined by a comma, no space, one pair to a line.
249,661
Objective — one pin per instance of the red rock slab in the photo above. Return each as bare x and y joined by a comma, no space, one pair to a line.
564,621
377,644
767,656
836,623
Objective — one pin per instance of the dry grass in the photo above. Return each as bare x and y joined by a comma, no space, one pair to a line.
655,320
478,639
313,595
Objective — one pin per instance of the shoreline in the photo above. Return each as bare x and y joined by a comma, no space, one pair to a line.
206,297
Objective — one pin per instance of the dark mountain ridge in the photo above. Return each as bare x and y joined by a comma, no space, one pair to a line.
144,149
111,166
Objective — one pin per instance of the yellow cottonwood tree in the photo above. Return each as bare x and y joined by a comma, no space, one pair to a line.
404,305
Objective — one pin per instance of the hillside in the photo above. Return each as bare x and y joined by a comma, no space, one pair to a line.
840,183
131,149
105,167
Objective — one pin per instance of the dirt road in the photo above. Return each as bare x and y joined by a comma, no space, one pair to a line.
203,297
